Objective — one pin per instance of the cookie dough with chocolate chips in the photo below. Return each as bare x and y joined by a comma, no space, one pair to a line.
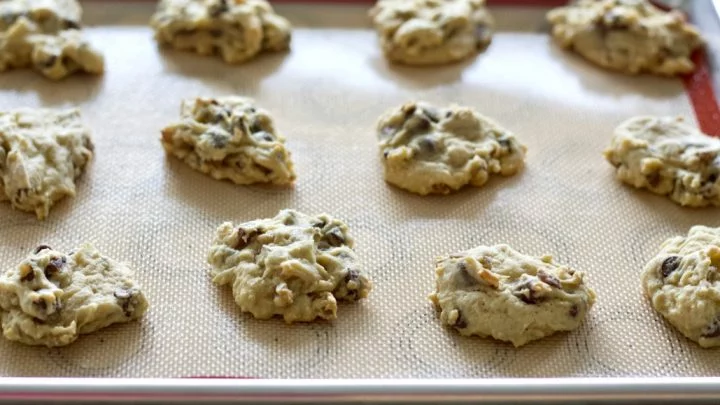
683,284
229,138
42,152
630,36
429,32
431,150
498,292
52,298
669,157
46,37
237,30
293,265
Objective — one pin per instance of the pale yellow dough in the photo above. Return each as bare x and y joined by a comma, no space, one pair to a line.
630,36
294,265
431,150
429,32
499,292
52,298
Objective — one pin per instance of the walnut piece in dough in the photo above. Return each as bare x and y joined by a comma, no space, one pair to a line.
428,32
293,265
430,150
631,36
42,152
237,30
229,138
683,284
668,157
45,36
52,298
496,291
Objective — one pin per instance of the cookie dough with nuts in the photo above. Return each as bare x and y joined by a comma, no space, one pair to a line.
42,152
630,36
431,150
229,138
498,292
669,157
683,284
237,30
428,32
46,37
293,265
52,298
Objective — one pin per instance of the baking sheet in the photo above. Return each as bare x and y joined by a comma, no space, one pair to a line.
158,214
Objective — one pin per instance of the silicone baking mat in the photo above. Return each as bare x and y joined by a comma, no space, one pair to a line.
138,206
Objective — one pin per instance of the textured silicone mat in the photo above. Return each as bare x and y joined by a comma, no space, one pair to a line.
158,214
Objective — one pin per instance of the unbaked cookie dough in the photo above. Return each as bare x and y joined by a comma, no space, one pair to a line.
52,298
683,284
496,291
631,36
668,157
428,32
45,36
42,152
430,150
229,138
237,30
293,265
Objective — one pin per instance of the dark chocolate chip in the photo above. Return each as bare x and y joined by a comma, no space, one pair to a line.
428,145
712,178
713,329
244,238
255,126
263,136
54,266
335,237
71,25
653,179
526,293
352,275
266,171
574,311
319,224
218,140
218,8
30,276
386,153
50,62
216,33
41,304
669,265
417,124
440,188
41,248
548,279
460,322
432,113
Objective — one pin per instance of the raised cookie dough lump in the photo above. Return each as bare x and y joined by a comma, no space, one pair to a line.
683,284
424,32
52,298
668,157
632,36
42,152
238,30
50,16
496,291
430,150
229,138
294,265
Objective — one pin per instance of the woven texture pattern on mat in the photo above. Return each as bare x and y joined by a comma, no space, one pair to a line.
158,214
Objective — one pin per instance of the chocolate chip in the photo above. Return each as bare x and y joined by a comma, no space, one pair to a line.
548,279
460,322
216,33
54,266
352,275
653,179
41,304
440,188
255,126
266,171
504,142
712,178
669,265
432,113
319,224
713,329
428,145
218,140
263,136
245,237
417,124
386,153
50,62
574,311
41,248
526,293
71,25
335,237
124,300
409,111
218,8
30,276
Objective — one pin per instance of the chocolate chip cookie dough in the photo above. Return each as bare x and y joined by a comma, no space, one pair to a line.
46,36
42,152
293,265
52,298
630,36
229,138
428,32
683,284
237,30
431,150
498,292
669,157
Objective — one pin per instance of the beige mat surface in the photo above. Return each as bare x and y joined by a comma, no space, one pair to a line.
158,214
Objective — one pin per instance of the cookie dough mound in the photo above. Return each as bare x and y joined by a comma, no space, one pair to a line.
428,32
683,284
50,16
42,152
237,30
229,138
294,265
631,36
499,292
668,157
52,298
429,150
